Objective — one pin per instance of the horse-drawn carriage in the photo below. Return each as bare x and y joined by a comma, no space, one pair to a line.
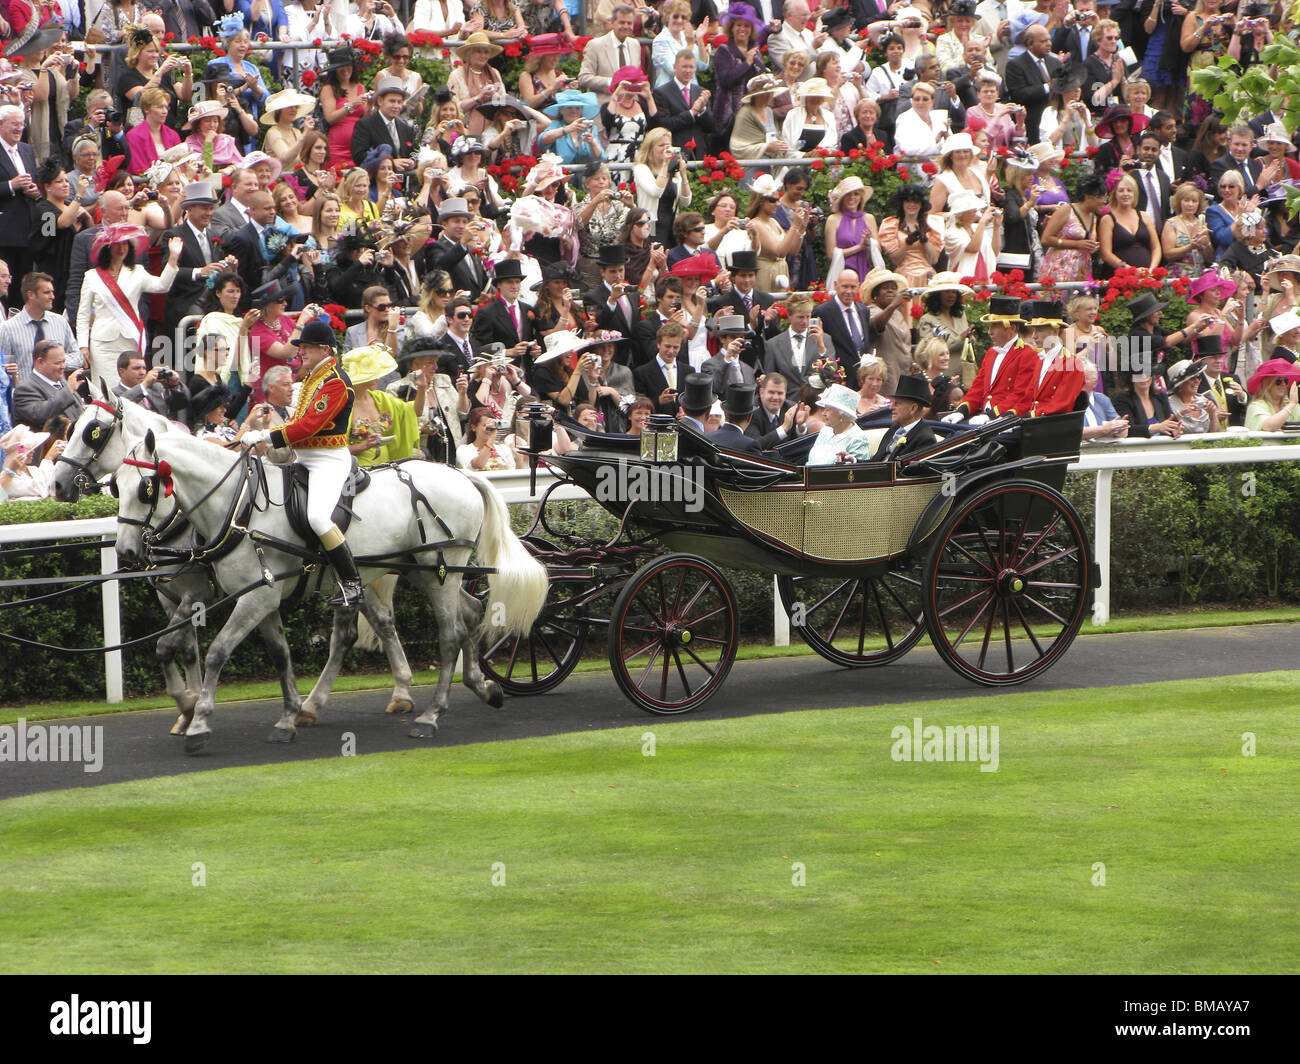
969,540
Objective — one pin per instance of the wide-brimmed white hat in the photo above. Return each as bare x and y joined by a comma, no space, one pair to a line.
1046,151
1275,131
948,281
958,142
559,343
964,200
1284,323
278,101
838,397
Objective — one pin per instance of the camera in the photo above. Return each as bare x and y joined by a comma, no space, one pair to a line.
297,238
151,194
114,117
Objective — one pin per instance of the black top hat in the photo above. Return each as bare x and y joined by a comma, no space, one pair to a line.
914,387
836,17
208,400
1210,344
739,401
612,255
1144,306
317,331
697,397
271,292
744,260
1003,308
1042,311
508,270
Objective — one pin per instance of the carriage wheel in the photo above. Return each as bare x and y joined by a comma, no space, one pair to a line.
673,633
540,661
1006,583
845,618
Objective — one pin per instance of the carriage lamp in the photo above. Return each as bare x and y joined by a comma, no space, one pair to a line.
539,439
659,439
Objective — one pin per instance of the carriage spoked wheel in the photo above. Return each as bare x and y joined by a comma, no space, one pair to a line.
540,661
854,621
673,633
1006,582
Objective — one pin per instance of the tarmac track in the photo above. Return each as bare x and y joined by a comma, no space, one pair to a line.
137,745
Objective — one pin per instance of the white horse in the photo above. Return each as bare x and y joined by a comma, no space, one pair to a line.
218,490
106,430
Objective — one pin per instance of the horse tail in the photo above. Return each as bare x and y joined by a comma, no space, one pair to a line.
517,590
367,637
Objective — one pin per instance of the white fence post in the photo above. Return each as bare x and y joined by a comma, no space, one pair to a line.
1101,540
112,606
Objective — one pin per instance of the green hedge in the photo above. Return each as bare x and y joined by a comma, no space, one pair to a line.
1180,536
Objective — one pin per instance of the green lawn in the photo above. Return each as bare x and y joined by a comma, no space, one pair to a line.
682,862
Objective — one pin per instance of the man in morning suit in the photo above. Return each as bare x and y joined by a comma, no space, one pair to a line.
737,408
383,126
757,308
618,302
18,192
683,108
200,255
507,319
909,434
451,251
1029,75
662,378
606,54
845,320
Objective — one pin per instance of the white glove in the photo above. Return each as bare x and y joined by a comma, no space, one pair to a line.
953,418
978,419
257,436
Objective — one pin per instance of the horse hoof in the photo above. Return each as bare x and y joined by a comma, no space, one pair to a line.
424,731
182,722
281,735
305,719
195,743
496,697
399,705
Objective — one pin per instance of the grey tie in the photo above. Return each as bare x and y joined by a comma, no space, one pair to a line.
854,331
1153,195
1042,69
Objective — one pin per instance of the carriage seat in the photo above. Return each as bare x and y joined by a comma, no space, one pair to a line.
295,498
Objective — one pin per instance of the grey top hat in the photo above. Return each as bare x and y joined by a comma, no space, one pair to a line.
730,325
198,192
390,84
453,208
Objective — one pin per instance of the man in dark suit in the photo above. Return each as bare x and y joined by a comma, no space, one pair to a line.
1173,160
451,250
18,192
45,393
845,320
645,333
909,433
507,319
1029,76
726,367
757,308
1075,34
200,255
383,126
737,408
774,419
1253,171
664,376
245,243
618,303
458,341
683,108
1154,188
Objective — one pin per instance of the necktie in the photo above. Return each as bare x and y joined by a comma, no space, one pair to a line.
464,349
749,303
670,375
895,444
40,331
622,55
205,248
514,317
1042,69
1002,12
736,377
796,350
686,94
392,133
625,307
851,316
1153,196
1245,174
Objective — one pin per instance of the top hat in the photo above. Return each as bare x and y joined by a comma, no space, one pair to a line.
317,331
1042,312
739,400
508,270
912,386
1144,306
1005,309
1209,345
198,192
697,396
454,207
390,84
730,325
612,255
744,260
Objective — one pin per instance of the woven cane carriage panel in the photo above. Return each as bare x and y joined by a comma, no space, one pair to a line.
837,524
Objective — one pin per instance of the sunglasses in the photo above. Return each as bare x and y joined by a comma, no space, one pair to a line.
696,229
383,307
443,291
463,314
643,221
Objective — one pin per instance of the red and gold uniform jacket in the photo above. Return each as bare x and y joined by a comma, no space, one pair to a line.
1013,390
1060,387
323,412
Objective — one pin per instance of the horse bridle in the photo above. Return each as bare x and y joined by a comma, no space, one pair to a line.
95,436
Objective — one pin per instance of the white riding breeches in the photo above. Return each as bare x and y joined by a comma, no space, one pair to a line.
328,469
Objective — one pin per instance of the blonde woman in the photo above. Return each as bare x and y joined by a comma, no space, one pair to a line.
662,187
959,168
354,194
474,82
850,232
774,243
287,208
872,372
1185,239
1084,336
1128,236
811,124
920,132
678,36
435,296
541,77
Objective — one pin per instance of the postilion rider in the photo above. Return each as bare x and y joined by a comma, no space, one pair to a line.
318,431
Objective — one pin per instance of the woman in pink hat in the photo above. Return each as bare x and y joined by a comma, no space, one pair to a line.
1210,296
1276,396
541,77
108,321
205,120
627,113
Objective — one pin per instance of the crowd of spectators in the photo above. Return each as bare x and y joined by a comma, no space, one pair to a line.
139,194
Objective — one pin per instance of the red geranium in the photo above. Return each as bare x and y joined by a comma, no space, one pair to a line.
690,144
512,49
817,164
929,168
308,78
917,310
718,175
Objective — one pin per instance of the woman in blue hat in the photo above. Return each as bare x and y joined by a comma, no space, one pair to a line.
573,134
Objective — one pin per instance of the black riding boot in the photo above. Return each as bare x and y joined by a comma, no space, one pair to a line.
350,589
